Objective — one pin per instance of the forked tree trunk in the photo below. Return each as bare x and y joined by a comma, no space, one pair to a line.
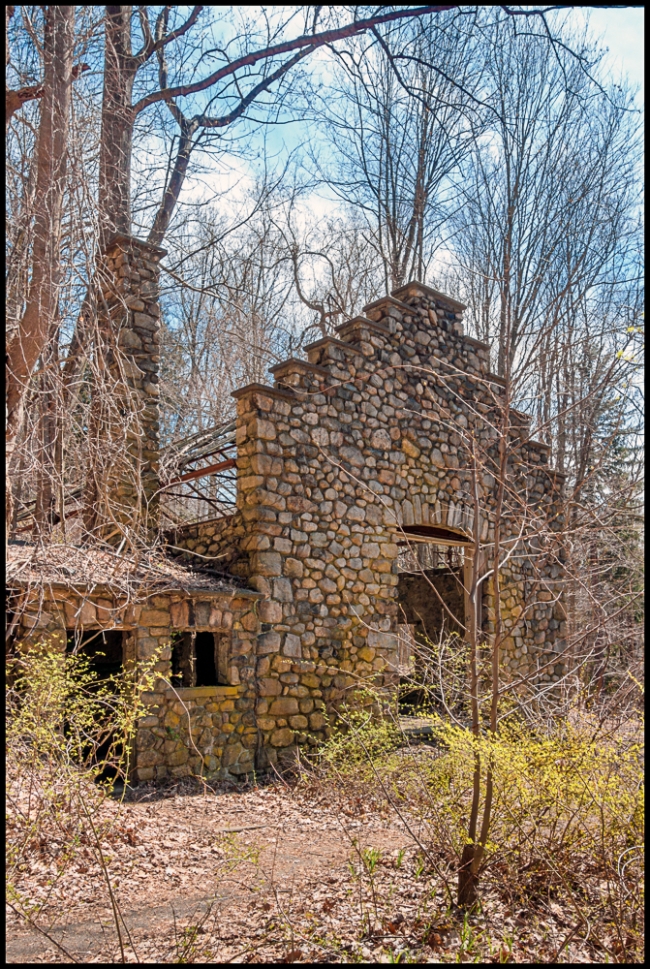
474,851
468,868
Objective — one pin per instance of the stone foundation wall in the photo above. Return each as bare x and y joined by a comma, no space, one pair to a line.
209,730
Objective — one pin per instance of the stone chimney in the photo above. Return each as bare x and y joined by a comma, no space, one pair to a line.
124,439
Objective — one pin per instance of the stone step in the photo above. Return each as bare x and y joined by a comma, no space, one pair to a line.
416,728
415,290
361,329
520,423
295,374
328,348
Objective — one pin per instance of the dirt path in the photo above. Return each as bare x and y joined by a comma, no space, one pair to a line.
242,857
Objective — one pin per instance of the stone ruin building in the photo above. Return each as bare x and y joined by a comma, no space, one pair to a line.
270,613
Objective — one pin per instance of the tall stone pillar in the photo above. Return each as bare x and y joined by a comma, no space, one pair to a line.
122,483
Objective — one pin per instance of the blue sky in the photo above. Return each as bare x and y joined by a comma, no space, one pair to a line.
620,30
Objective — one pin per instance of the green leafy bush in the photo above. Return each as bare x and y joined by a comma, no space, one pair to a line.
568,812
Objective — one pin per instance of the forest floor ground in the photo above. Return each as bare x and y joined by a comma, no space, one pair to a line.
279,871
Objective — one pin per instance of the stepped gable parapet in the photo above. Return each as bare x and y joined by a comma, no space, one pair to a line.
434,322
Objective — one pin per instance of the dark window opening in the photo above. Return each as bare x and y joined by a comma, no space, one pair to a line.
14,609
419,557
206,667
199,659
103,647
11,627
180,650
437,533
105,650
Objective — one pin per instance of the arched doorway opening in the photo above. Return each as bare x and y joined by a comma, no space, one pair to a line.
434,568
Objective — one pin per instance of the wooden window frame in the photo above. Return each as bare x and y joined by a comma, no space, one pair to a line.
187,658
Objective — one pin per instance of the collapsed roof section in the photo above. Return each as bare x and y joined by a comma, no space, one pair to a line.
90,568
198,476
210,441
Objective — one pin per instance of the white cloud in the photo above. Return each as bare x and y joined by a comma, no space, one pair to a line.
622,31
230,176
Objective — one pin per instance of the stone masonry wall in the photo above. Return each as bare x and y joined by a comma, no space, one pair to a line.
122,486
364,437
220,543
200,730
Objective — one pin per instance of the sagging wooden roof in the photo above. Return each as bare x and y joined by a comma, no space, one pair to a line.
86,568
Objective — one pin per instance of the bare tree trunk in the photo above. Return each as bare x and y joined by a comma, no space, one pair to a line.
173,190
115,152
467,876
17,262
474,850
506,291
35,325
117,126
48,405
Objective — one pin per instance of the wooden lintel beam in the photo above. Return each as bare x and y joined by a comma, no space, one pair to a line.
202,472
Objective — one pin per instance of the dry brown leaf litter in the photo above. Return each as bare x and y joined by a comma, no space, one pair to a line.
277,873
